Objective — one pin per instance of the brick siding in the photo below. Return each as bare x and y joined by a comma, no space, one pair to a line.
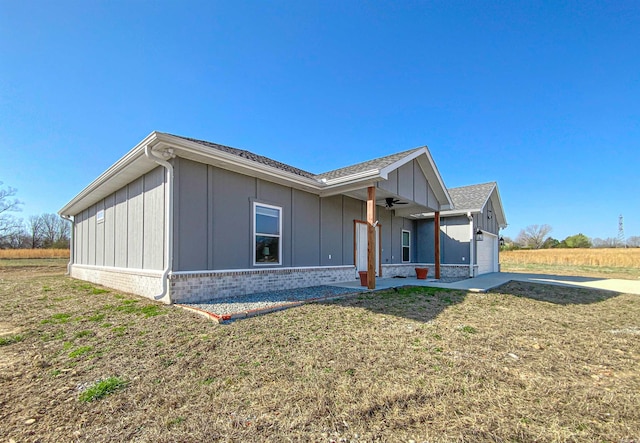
408,270
200,286
135,281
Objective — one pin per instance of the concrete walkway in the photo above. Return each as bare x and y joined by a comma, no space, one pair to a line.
486,282
258,304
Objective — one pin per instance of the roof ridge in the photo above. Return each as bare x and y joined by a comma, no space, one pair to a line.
474,185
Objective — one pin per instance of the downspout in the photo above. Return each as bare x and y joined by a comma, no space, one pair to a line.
162,161
471,239
72,240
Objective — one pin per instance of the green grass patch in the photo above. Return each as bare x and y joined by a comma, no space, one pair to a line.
85,333
8,340
102,389
97,317
80,351
129,306
58,318
468,329
119,330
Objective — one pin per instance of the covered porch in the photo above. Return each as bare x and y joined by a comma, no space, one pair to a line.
396,190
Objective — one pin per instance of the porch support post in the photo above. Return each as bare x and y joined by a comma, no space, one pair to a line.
371,237
436,242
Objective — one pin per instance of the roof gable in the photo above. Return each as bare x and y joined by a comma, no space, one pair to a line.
474,197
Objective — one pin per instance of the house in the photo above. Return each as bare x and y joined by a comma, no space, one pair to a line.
184,220
469,231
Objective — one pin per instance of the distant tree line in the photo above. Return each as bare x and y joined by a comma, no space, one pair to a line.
537,237
38,231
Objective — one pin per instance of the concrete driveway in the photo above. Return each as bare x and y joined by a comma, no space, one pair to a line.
486,282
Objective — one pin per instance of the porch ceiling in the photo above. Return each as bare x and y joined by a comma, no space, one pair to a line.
410,209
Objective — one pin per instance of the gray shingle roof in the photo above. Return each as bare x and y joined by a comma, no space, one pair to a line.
471,197
251,156
377,163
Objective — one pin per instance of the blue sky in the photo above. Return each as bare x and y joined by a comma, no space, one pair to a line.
542,97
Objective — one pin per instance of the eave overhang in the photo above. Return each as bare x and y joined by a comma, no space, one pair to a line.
135,164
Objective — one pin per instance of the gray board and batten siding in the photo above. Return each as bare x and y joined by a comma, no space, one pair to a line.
213,222
130,232
454,235
409,182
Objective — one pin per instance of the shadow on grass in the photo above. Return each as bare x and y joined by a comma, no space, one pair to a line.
424,304
561,295
418,303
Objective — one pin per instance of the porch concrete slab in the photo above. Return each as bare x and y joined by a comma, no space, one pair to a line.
389,283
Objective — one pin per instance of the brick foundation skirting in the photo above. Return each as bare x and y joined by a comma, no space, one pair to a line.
135,281
194,287
408,270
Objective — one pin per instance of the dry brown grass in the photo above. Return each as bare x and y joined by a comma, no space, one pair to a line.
33,253
613,263
526,363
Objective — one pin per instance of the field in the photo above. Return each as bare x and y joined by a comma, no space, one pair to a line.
608,263
33,253
525,363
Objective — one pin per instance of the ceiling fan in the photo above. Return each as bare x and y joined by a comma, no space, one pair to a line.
390,202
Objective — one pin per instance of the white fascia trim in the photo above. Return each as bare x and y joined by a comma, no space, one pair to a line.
384,172
373,173
114,170
442,194
275,269
325,187
502,225
250,165
488,198
348,187
449,213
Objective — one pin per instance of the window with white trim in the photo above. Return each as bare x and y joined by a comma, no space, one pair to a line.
100,216
406,246
267,234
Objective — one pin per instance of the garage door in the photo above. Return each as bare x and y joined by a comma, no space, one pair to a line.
487,254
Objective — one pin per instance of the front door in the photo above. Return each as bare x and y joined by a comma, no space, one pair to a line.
361,246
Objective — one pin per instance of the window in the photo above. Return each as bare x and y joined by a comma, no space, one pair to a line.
267,234
100,216
406,246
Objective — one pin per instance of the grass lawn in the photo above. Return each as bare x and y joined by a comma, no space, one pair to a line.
524,363
628,273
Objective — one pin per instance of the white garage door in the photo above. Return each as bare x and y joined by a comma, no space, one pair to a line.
488,254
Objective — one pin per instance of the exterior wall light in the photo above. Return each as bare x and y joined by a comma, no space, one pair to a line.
479,235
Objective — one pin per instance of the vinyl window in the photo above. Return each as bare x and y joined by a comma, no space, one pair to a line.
267,234
406,246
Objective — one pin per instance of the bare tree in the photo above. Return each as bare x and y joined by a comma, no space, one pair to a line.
55,231
533,236
633,241
34,230
608,242
9,225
